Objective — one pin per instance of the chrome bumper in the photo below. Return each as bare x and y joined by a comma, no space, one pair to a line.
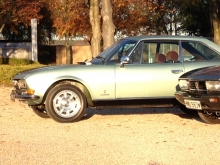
23,97
204,100
180,96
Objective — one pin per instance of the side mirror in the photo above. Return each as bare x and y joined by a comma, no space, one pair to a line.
124,60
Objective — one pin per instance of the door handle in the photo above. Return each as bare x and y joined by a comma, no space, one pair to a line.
178,71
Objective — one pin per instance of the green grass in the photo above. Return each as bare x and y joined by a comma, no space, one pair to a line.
11,67
16,62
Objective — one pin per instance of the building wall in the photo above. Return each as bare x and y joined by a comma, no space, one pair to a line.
15,50
81,51
79,54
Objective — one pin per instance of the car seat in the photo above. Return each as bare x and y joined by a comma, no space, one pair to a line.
160,58
172,56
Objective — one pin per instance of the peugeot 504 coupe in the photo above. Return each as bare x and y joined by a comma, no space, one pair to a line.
139,71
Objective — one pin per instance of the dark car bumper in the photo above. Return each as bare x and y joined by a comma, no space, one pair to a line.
208,102
22,97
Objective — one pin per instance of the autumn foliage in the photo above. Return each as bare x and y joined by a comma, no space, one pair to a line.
130,17
70,17
14,12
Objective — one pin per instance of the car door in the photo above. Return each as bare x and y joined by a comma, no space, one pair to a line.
143,77
148,80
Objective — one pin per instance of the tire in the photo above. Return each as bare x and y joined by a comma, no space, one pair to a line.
186,110
65,103
210,117
40,111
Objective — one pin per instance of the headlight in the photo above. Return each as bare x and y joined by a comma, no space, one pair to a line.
184,84
15,83
19,84
22,84
212,85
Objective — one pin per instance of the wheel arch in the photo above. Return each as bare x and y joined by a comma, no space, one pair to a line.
78,84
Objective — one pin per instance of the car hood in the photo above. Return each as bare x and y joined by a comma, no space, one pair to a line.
26,73
211,73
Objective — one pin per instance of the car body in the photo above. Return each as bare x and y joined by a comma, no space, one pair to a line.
136,71
200,91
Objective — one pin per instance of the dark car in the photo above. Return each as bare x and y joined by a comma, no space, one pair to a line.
200,91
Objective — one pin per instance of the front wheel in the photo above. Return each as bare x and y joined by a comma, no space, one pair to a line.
210,117
65,103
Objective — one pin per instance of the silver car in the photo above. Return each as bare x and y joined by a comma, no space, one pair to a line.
140,71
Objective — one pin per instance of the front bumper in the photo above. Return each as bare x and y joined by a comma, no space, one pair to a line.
204,100
21,96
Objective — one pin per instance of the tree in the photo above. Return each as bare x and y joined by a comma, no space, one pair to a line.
195,18
108,27
172,17
162,14
215,16
17,12
131,17
45,26
70,19
96,28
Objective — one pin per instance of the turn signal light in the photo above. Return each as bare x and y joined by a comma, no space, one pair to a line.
30,91
213,100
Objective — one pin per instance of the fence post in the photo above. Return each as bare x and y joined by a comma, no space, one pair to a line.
34,56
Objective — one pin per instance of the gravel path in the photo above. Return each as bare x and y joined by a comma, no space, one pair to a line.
107,137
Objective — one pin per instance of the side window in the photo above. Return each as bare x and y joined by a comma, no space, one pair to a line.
162,51
144,53
193,51
171,51
156,52
122,51
149,52
206,51
137,54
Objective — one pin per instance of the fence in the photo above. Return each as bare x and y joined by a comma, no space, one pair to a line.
15,49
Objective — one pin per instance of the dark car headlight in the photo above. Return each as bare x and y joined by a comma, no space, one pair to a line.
183,84
212,85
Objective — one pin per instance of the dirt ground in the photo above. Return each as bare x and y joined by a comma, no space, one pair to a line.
106,137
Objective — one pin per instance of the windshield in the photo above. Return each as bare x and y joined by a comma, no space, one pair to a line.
114,53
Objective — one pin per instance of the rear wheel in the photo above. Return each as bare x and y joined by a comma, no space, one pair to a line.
210,117
66,103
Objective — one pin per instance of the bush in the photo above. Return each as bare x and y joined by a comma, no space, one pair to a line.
16,61
14,66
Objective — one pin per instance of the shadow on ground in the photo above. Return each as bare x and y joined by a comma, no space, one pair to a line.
130,111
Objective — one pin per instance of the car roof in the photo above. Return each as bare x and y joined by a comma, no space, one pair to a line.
144,37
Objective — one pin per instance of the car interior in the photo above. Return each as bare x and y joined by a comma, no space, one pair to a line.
147,52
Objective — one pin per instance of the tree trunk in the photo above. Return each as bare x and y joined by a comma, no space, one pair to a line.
215,20
175,24
158,26
171,24
95,23
108,27
2,27
68,52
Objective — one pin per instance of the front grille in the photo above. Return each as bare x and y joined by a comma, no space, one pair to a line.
197,87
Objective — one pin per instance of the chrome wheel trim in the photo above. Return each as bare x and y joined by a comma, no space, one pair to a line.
66,104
